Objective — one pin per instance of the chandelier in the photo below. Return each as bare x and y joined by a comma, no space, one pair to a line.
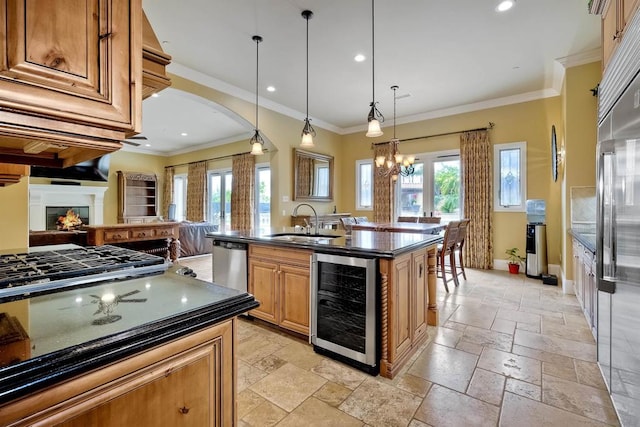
395,163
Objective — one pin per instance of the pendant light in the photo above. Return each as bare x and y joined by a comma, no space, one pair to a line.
375,117
308,132
256,140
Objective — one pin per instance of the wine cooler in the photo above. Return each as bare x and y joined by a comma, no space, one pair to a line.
344,310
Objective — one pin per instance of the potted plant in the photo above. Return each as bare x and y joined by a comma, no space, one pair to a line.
514,260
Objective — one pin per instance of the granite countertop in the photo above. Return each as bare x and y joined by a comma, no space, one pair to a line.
586,236
71,332
359,243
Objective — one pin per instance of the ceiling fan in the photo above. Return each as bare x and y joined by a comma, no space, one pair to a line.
132,140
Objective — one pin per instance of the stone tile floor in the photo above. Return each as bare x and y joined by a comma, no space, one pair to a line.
510,352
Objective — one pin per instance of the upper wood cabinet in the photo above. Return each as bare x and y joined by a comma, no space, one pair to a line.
70,79
615,17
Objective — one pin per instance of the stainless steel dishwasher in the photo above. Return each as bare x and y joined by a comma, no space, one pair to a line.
230,265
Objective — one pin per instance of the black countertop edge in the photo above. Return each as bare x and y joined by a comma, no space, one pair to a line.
329,249
20,379
587,239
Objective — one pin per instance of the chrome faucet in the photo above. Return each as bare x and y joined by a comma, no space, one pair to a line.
315,214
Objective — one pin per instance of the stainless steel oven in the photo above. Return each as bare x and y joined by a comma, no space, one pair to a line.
344,310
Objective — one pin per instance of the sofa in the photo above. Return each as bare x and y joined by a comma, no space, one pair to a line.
193,240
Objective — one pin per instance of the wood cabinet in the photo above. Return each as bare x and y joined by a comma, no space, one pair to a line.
408,294
137,197
187,382
584,279
70,79
279,279
11,174
615,17
160,238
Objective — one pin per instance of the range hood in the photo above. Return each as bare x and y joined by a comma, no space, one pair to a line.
154,61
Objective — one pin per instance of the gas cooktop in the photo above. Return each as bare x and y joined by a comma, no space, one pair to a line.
27,272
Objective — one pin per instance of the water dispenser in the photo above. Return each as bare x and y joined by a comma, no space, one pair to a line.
536,261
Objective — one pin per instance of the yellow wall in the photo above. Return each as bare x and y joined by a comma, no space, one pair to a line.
580,137
529,121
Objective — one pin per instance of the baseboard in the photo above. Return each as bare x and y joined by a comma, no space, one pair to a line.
502,264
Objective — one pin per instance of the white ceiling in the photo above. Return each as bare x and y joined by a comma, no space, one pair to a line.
449,56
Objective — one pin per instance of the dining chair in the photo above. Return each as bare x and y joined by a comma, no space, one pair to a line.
461,237
447,248
407,219
361,219
429,219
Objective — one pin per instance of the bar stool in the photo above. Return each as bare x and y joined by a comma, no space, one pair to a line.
447,248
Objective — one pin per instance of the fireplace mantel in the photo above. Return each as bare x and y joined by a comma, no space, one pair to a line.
42,195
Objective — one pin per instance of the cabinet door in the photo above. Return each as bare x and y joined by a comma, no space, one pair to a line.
263,285
401,314
419,283
70,60
610,31
294,298
182,397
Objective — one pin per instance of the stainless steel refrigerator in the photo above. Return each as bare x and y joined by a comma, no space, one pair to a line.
618,251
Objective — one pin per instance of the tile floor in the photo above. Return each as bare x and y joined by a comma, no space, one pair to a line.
509,351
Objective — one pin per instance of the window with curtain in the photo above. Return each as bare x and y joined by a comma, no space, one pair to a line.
364,184
510,176
219,205
180,196
434,189
263,196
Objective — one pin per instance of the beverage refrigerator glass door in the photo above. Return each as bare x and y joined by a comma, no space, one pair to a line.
343,309
618,253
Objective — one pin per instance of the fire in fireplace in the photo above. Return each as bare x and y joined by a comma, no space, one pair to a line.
66,218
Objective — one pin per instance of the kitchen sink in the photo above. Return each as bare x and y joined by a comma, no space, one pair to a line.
303,238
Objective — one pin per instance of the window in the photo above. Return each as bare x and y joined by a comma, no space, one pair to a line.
219,206
434,189
364,184
263,196
510,176
180,196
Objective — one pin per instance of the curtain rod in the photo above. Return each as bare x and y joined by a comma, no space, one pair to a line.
489,127
228,156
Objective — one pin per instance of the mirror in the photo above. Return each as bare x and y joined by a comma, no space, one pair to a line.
313,176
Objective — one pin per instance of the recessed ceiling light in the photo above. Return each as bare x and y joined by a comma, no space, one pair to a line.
147,145
154,95
184,134
271,89
359,57
505,5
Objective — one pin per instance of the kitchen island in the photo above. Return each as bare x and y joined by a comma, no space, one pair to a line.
145,350
280,276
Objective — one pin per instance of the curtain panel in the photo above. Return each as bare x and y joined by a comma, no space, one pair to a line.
243,169
196,191
167,191
477,178
305,176
382,187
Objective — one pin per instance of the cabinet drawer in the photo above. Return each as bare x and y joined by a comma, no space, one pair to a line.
273,253
119,235
165,232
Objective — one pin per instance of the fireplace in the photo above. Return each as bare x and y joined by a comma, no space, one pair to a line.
47,201
54,213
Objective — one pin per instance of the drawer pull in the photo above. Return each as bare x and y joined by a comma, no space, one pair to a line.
142,234
117,236
184,410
